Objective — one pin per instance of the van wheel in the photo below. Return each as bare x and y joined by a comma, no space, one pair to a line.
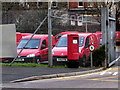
83,62
73,64
37,60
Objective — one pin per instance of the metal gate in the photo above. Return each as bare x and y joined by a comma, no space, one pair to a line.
108,26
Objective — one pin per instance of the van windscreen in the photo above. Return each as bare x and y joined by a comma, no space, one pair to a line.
33,44
63,42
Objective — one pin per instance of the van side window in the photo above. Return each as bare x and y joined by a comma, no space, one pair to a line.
87,43
57,37
43,46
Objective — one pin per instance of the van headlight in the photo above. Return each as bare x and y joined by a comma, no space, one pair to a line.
52,52
31,55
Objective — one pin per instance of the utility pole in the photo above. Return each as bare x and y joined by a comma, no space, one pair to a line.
104,27
50,63
107,38
86,25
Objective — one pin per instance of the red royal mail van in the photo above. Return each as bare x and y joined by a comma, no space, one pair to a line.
62,33
36,50
60,51
99,34
20,35
117,37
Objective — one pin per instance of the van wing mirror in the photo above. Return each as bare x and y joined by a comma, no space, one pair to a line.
43,46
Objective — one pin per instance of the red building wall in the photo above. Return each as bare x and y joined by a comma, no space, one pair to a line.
73,5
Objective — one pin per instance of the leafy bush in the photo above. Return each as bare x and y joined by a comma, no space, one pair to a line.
99,56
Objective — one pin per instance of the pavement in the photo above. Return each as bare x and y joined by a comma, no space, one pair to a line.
20,74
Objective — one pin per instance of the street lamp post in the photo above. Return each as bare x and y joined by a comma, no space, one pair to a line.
49,36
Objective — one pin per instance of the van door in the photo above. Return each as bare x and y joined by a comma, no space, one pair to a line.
94,41
86,48
44,51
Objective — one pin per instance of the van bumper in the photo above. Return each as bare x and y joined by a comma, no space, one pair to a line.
62,60
59,60
27,59
22,59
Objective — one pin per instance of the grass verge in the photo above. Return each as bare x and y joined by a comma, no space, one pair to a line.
37,65
30,65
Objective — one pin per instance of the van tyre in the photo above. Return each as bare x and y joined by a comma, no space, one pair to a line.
83,62
38,60
73,64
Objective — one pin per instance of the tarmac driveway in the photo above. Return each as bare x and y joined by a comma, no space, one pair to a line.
10,73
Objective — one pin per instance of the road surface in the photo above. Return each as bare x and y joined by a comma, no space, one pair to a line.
105,79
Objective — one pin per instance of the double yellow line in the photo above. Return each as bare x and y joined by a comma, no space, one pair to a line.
97,79
94,79
105,79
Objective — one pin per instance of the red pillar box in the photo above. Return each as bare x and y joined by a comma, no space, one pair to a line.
73,47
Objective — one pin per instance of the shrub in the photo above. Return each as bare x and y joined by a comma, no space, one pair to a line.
99,56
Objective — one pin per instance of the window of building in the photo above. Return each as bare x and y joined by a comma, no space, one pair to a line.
80,4
54,3
91,4
79,23
72,21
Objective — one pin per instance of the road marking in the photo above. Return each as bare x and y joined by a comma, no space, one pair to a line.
102,73
109,80
84,74
115,73
112,73
113,62
107,77
104,79
115,68
98,79
105,71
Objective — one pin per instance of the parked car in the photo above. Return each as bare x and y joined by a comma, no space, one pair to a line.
60,51
57,37
36,50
